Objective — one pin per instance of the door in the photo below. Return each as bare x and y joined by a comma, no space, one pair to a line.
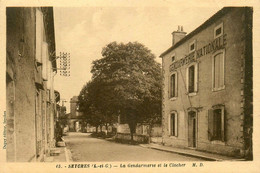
192,129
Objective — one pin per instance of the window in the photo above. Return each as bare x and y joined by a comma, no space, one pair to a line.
192,47
173,85
173,58
45,60
218,71
173,123
39,35
191,78
49,74
216,124
218,30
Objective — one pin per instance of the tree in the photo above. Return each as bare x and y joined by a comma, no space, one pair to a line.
87,105
127,80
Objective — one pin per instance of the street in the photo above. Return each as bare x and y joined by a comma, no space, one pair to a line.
85,148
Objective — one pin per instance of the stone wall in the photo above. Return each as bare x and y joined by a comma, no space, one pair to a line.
21,87
144,133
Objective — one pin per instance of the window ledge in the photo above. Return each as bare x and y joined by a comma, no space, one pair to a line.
218,89
218,142
173,137
173,98
192,94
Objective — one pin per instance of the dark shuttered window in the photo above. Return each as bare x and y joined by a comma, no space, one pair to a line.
216,123
173,85
192,79
173,124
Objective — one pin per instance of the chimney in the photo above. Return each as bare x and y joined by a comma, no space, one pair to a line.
178,35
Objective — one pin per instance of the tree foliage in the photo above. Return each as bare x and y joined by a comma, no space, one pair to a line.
126,81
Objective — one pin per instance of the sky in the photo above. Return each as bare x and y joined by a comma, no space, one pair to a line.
84,31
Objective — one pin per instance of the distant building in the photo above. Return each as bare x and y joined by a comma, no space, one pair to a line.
30,98
207,85
75,119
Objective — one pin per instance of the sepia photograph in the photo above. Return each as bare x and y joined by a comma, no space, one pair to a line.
127,86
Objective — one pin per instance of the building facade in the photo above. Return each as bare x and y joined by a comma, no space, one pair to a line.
30,69
207,85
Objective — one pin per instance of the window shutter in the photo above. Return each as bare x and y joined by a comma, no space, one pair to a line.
173,85
191,79
196,78
210,124
187,80
169,124
176,125
39,35
45,60
169,87
221,70
176,85
223,124
217,71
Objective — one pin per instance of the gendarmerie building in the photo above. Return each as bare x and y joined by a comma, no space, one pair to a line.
207,85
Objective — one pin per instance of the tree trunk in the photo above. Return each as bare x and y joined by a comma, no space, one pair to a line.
100,128
106,129
132,138
132,127
83,126
96,129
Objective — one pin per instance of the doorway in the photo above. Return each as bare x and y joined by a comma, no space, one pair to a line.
192,129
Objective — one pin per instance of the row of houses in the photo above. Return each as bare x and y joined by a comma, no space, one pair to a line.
30,97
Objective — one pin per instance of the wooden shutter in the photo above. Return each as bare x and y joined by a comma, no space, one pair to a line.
169,125
39,35
176,85
191,78
223,124
196,78
221,70
169,87
173,86
210,124
216,71
176,125
45,60
49,75
172,124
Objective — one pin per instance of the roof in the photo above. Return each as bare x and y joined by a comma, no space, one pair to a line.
208,22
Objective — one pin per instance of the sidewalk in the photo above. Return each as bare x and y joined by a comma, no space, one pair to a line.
190,152
62,156
59,154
